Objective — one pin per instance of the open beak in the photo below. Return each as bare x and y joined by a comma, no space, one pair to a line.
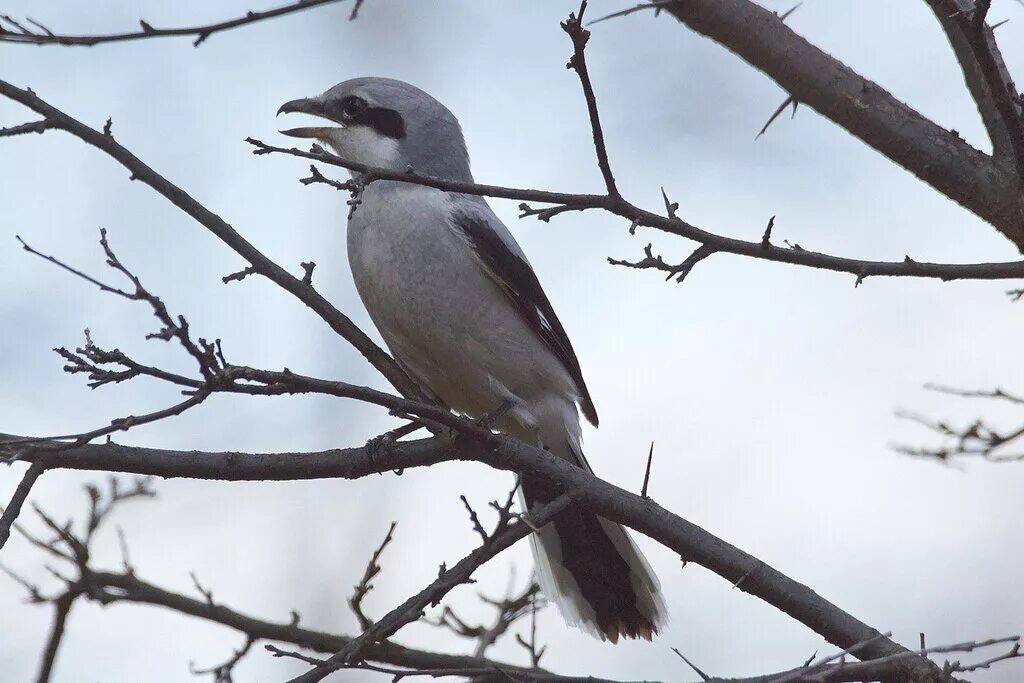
311,106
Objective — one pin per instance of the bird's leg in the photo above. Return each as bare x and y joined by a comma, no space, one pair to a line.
490,420
380,445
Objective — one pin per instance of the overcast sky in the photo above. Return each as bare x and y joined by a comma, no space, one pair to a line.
769,390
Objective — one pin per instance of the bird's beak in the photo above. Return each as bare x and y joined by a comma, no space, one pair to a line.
311,106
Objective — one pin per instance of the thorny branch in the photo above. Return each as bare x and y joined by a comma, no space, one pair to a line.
940,157
908,267
112,588
985,73
12,31
644,515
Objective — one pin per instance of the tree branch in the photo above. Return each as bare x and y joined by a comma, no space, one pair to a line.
642,514
18,33
61,609
954,16
979,438
908,267
504,536
935,155
302,290
13,509
573,26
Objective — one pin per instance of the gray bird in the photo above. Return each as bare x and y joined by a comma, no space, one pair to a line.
458,304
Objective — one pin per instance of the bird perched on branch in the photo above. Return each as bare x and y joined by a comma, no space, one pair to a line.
458,304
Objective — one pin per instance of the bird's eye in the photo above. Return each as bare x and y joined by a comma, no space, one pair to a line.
352,106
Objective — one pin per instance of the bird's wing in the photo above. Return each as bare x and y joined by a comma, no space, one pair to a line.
504,261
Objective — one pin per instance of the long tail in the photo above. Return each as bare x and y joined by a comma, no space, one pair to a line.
591,568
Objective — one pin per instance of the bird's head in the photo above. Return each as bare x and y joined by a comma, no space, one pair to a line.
388,123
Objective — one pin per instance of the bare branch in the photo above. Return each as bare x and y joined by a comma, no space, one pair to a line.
816,79
31,127
355,602
13,509
340,323
978,438
642,514
678,271
578,63
955,17
222,672
17,33
61,610
675,225
997,393
504,536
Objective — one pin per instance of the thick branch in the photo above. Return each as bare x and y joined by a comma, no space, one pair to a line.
692,543
954,18
935,155
20,34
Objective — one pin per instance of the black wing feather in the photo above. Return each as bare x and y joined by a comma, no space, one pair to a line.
520,284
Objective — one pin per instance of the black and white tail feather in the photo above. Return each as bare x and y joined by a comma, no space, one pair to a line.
591,568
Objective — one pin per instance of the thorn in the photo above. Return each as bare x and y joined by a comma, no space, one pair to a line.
647,473
785,15
670,207
766,238
703,676
788,101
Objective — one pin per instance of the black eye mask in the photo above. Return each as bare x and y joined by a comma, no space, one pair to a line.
387,122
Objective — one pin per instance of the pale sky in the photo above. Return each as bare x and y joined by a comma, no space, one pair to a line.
769,390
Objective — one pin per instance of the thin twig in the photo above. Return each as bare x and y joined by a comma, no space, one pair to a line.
676,226
411,610
578,63
44,36
13,508
355,601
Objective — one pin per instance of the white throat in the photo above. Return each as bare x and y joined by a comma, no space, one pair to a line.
366,146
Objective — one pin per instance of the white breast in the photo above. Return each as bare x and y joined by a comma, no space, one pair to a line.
438,311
